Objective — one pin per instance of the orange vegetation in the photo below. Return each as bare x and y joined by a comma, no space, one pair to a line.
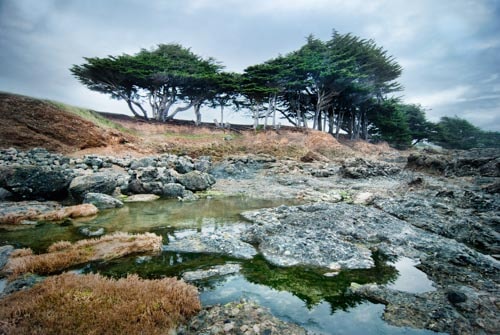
54,215
92,304
63,254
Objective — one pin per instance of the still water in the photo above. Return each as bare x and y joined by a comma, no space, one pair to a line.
298,294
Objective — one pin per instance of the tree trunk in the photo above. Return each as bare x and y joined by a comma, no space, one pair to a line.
197,112
274,111
222,114
317,111
129,104
178,110
340,118
255,115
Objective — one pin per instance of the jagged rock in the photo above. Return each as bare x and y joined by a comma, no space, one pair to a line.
31,182
475,162
196,180
359,168
102,201
99,182
184,164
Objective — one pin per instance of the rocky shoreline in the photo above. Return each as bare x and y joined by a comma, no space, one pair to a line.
438,208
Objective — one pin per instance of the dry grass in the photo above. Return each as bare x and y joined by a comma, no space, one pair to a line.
53,215
62,255
92,304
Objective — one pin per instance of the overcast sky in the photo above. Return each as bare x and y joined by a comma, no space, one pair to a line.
449,49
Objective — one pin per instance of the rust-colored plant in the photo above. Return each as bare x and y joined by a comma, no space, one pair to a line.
63,254
93,304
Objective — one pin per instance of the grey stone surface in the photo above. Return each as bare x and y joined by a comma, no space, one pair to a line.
102,201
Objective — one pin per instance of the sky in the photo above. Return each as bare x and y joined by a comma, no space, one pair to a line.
449,49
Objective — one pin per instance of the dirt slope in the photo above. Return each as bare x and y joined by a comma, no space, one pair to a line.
26,123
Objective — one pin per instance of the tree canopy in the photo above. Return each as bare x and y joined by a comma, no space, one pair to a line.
344,85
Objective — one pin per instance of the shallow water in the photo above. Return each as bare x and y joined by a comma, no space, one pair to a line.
298,294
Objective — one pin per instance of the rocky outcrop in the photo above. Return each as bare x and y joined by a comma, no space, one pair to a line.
475,162
466,216
40,175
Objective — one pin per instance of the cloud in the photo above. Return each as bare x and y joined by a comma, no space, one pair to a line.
443,97
448,49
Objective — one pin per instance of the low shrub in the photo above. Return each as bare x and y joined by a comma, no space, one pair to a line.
93,304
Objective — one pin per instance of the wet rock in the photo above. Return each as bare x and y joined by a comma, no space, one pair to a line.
323,234
21,283
5,252
359,168
240,317
466,216
456,297
141,198
196,181
4,194
151,180
434,311
214,271
89,232
102,201
100,182
30,182
226,242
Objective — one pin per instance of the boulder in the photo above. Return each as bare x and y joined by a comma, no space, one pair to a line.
99,182
196,180
31,182
102,201
173,190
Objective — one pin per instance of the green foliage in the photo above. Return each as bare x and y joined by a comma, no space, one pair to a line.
457,133
420,128
391,124
159,78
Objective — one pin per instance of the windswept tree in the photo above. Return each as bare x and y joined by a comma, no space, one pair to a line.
161,78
